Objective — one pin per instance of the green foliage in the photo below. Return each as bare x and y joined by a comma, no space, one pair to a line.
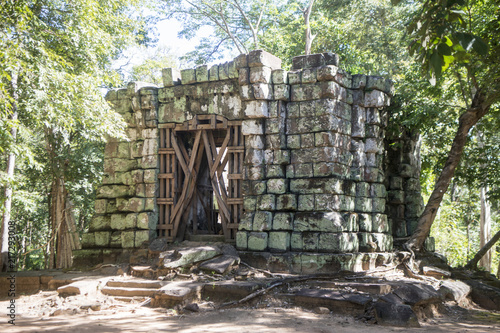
61,53
235,25
456,228
150,68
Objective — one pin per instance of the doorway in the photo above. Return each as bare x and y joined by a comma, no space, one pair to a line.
200,176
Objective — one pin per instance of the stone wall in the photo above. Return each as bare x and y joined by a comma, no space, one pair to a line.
405,203
315,183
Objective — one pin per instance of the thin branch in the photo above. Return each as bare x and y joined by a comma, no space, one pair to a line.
214,50
220,13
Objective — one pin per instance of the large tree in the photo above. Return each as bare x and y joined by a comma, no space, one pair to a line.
457,43
55,54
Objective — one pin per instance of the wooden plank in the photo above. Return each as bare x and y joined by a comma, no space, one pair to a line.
167,125
235,201
188,187
184,152
165,176
165,201
179,155
220,201
236,149
165,151
222,151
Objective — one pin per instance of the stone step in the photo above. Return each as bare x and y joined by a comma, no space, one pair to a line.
129,292
226,291
149,284
129,299
339,303
177,293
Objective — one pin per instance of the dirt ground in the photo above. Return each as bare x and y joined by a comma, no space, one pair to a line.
45,312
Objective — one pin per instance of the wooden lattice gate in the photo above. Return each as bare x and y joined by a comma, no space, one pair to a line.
207,146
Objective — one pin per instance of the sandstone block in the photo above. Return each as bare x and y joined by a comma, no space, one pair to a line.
365,222
338,242
128,238
262,221
88,240
260,58
327,202
296,242
286,202
213,73
266,202
359,81
279,241
241,240
281,92
170,76
141,236
309,76
188,76
246,222
102,238
380,223
277,186
100,206
327,73
275,171
310,241
262,91
253,126
123,221
100,222
306,202
201,73
318,221
376,99
283,221
260,75
279,76
257,241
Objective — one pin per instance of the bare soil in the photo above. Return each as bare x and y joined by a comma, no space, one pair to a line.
47,312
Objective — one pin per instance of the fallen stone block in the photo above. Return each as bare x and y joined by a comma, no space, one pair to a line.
225,291
189,256
176,293
454,290
350,304
486,296
417,294
438,273
220,264
390,313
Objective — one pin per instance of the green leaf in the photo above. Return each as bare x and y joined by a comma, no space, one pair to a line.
444,49
480,46
437,63
465,40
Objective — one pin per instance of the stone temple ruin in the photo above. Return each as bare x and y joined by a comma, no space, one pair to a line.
293,167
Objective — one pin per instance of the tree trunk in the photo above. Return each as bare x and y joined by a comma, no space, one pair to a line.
11,162
485,229
498,270
308,34
63,224
467,120
472,264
